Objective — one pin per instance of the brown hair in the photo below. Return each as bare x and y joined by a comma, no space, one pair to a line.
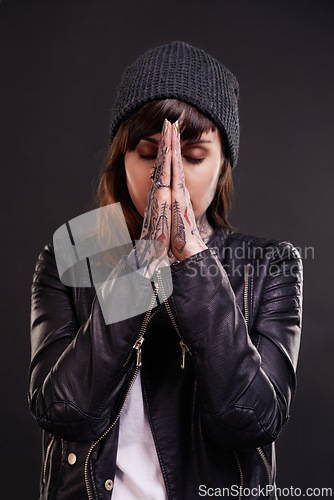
147,121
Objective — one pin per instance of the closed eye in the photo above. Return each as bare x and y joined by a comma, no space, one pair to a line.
193,160
147,157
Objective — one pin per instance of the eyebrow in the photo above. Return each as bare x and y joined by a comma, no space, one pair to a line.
195,141
198,141
149,139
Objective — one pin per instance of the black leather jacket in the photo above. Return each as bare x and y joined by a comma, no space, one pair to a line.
236,306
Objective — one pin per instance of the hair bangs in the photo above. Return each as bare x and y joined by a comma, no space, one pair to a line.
148,120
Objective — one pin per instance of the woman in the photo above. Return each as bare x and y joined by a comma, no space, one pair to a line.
183,393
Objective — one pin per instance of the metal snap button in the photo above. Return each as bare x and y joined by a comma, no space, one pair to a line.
72,458
109,484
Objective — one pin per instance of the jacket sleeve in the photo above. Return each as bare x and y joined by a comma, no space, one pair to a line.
246,380
78,373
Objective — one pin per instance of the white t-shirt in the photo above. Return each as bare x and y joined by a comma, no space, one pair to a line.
138,475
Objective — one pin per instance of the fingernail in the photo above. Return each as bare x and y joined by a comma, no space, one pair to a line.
152,172
167,149
164,127
176,151
177,127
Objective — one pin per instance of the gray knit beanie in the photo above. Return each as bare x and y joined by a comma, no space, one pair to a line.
180,71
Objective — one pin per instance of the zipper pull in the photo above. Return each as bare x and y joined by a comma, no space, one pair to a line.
137,346
184,350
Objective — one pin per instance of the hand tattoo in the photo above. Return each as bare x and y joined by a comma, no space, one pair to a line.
162,229
178,233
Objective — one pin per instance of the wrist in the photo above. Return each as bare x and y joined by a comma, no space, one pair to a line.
191,250
146,257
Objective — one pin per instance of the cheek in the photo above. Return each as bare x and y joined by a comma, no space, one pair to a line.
211,188
138,183
201,187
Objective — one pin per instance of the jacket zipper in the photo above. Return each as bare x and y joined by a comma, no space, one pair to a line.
246,315
47,454
246,311
265,462
259,449
137,345
184,347
240,473
140,338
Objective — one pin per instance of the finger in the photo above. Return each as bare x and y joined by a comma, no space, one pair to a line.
178,181
179,190
162,192
179,229
163,170
184,229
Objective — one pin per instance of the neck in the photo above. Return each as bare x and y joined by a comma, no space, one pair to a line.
204,228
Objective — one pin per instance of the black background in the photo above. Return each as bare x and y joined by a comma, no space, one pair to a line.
60,64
